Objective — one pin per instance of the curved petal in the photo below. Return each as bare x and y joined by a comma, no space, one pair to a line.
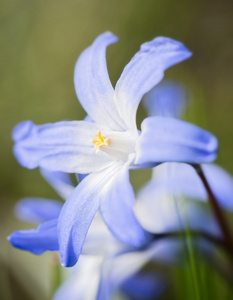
116,206
167,139
37,210
62,146
93,86
37,241
168,99
144,71
78,212
60,181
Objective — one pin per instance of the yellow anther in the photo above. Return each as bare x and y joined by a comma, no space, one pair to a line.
100,141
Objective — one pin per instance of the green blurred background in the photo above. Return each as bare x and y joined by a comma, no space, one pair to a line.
40,42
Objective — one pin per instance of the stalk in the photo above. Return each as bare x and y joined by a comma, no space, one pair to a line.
217,211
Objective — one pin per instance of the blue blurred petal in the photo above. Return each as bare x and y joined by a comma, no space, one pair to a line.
62,146
93,86
37,210
167,139
117,200
144,71
37,241
144,286
78,212
168,99
60,181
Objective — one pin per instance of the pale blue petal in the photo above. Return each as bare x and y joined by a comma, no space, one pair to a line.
62,146
60,181
116,206
37,210
167,139
78,212
93,86
37,241
168,99
144,71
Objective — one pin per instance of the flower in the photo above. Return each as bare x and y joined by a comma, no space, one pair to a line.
118,145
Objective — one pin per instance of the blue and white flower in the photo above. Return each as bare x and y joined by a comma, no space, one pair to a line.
111,145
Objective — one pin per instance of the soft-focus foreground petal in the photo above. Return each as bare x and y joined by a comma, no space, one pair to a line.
93,86
122,266
62,146
60,181
183,179
168,99
167,139
78,212
82,284
99,240
116,206
144,71
37,241
160,210
37,210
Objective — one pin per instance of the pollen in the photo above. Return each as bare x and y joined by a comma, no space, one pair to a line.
100,141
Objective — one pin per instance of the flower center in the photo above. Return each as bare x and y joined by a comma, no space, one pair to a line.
100,141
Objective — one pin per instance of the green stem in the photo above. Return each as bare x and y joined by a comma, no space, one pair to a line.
193,264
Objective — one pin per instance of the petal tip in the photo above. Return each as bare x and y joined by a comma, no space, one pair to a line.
21,130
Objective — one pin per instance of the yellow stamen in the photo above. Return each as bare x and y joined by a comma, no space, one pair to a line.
100,141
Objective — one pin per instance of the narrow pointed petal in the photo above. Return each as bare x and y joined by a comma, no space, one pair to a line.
60,181
167,139
78,212
168,99
144,71
62,146
92,83
37,241
37,210
117,200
